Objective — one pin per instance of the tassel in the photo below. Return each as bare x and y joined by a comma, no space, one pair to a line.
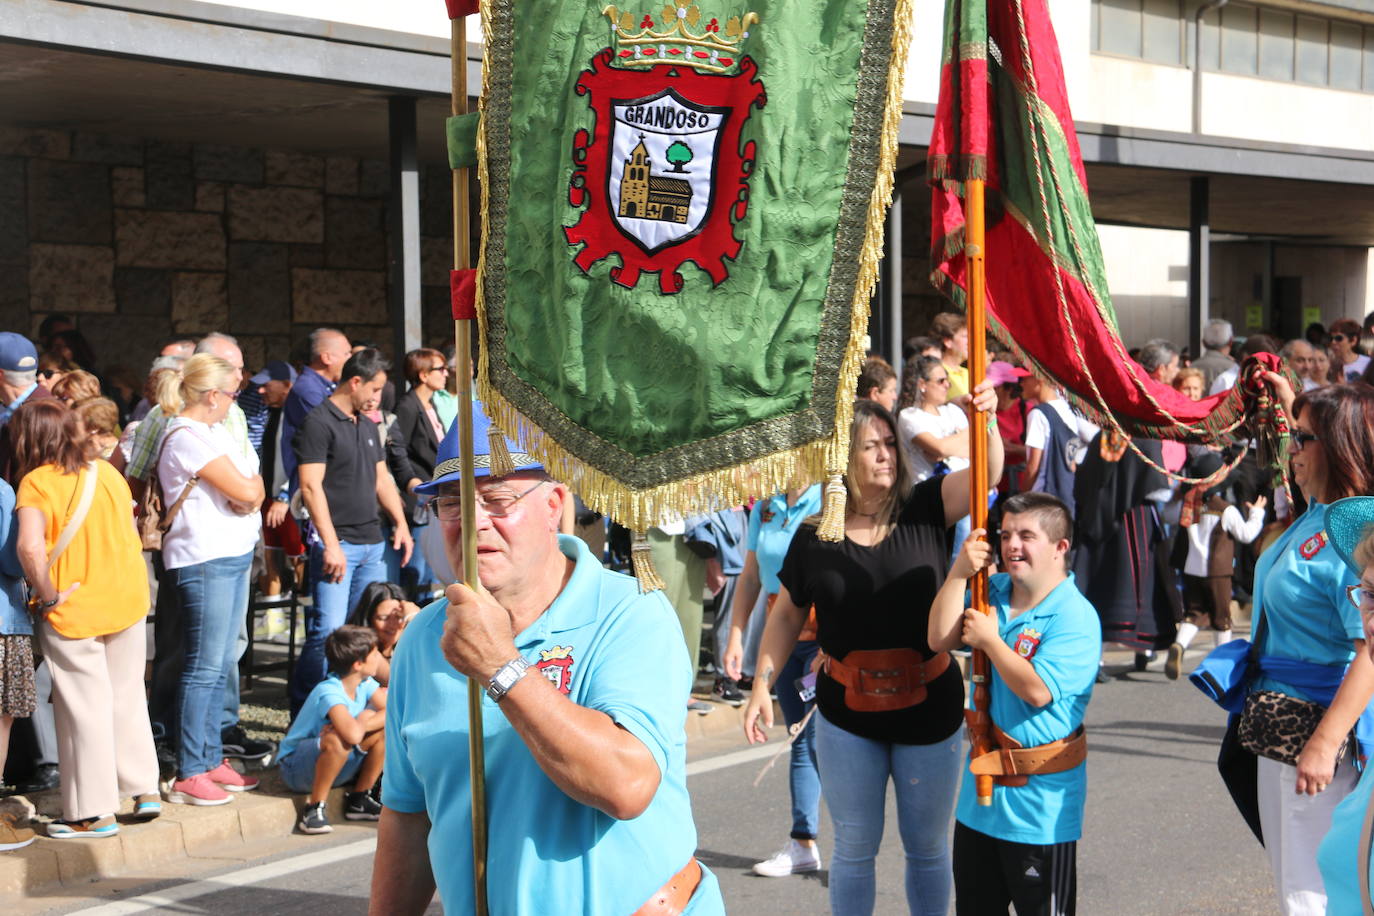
836,500
501,462
643,563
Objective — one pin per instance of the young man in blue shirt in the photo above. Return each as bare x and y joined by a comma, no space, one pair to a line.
1042,641
338,735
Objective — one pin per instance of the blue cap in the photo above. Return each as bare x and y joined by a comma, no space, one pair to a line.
275,371
447,467
1348,521
17,353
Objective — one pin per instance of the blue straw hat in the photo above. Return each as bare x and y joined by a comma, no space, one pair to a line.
509,458
1348,521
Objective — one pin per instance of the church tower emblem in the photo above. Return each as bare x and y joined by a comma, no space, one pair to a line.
662,175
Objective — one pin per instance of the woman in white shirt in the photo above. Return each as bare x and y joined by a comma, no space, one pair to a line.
933,432
207,552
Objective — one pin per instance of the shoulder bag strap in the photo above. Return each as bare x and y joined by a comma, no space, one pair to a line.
1362,861
83,507
170,513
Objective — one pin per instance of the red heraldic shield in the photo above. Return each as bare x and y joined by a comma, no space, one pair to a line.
662,173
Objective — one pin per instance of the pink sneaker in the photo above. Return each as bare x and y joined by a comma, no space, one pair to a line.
230,779
198,790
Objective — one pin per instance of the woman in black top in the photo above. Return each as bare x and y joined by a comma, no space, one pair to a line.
887,706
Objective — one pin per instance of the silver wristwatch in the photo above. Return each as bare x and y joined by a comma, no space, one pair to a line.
506,677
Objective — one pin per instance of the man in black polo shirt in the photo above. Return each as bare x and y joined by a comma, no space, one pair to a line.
343,477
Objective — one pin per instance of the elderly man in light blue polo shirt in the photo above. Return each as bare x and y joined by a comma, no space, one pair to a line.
586,683
1043,642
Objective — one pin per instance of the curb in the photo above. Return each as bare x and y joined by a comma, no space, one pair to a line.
183,831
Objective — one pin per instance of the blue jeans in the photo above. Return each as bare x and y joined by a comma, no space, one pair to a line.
416,575
803,780
212,599
298,767
331,603
854,776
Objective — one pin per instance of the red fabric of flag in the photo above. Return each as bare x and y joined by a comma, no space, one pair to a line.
1003,116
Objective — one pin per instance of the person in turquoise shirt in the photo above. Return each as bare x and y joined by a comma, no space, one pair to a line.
772,523
585,682
1311,649
1343,856
1042,644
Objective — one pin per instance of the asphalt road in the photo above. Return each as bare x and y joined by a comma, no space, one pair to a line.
1161,837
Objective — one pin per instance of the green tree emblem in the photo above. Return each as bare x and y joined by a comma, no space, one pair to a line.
679,154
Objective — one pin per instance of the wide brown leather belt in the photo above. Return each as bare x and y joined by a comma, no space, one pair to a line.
672,898
880,680
1011,764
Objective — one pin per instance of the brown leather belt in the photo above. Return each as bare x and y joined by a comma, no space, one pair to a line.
1011,764
880,680
672,898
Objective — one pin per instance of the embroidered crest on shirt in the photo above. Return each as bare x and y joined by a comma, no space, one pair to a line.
556,665
1313,545
1027,641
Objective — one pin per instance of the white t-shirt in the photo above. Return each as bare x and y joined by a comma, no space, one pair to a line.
1225,381
1353,371
205,527
1038,428
913,421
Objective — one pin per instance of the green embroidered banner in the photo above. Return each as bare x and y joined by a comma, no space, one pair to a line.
682,217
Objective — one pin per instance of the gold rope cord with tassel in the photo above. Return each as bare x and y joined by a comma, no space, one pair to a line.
835,502
723,488
501,462
641,559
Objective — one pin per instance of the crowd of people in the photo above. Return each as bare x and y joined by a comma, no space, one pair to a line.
335,477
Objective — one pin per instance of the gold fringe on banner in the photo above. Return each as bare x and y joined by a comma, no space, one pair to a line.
501,462
642,561
722,488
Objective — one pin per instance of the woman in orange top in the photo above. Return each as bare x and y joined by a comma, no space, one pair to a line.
89,608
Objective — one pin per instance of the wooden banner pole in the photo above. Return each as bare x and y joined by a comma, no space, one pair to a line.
462,344
981,730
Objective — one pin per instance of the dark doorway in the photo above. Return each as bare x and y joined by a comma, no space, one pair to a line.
1287,310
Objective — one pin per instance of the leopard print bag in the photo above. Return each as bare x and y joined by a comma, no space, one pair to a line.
1277,726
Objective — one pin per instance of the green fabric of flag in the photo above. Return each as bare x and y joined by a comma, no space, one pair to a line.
682,216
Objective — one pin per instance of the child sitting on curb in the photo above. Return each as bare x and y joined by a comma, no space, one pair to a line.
1042,640
338,734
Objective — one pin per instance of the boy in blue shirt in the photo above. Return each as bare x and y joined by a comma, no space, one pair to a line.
1043,644
338,735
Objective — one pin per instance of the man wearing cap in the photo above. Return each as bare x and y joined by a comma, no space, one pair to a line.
584,680
18,385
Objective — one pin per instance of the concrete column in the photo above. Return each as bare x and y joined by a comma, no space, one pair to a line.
895,335
403,231
1199,260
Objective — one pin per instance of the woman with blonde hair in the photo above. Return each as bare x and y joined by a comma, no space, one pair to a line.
211,492
88,595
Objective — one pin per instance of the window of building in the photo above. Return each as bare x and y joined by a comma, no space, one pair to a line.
1313,41
1346,39
1240,38
1275,45
1239,47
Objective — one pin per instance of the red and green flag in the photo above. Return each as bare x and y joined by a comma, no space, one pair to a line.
1003,116
682,210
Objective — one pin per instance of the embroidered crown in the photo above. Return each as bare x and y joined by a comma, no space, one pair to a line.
716,48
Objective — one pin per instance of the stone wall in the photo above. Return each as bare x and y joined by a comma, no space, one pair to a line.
139,239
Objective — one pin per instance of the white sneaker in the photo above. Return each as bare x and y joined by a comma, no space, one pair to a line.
792,859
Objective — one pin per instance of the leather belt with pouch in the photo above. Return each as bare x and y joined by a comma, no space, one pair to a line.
672,898
881,680
1012,765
